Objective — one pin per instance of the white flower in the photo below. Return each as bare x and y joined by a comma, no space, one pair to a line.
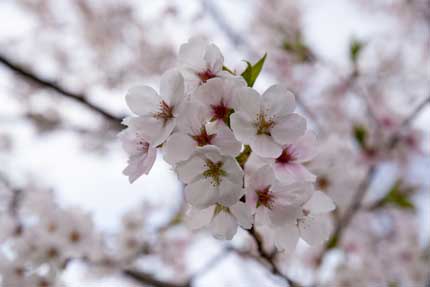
266,122
194,130
141,153
211,178
157,114
271,201
309,222
200,61
222,221
219,95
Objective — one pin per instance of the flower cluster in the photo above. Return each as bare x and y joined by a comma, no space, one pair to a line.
242,155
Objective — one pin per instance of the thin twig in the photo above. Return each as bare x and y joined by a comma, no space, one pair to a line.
270,258
148,279
81,98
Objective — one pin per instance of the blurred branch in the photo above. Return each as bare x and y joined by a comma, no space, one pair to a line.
269,257
363,187
148,279
81,98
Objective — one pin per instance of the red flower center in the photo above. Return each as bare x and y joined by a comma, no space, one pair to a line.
285,157
203,138
206,75
220,111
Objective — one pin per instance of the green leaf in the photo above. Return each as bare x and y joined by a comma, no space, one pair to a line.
398,197
252,71
355,49
360,135
243,156
227,69
333,241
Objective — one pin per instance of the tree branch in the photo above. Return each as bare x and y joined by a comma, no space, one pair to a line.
269,257
149,279
81,98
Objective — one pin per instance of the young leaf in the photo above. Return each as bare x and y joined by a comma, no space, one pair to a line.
396,196
354,50
360,135
252,71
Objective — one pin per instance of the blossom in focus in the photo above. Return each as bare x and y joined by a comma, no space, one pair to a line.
157,114
272,201
141,153
199,62
194,130
211,178
267,122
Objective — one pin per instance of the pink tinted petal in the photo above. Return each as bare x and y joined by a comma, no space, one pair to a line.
293,194
305,148
248,102
251,199
284,214
187,171
139,165
288,129
209,93
191,54
292,172
261,179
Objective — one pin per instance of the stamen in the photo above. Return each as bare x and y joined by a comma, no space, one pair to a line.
166,112
263,125
214,172
286,156
206,75
265,197
203,138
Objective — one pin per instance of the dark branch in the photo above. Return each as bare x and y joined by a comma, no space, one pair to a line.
149,279
81,98
269,257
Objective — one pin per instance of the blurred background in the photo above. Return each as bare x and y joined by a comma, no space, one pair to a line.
361,74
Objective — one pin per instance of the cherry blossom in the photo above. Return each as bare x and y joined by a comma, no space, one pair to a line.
271,201
200,61
141,153
267,122
308,222
157,114
194,130
211,178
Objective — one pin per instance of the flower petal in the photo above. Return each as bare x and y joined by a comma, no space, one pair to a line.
265,146
178,147
225,140
314,230
143,100
187,171
248,102
277,100
191,53
229,193
201,193
292,172
242,214
214,58
197,218
286,237
305,148
172,87
242,127
223,226
289,128
319,203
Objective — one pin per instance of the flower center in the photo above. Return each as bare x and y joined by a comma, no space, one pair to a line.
265,198
220,112
165,113
219,208
74,236
203,138
285,157
263,125
141,144
214,172
206,75
323,182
